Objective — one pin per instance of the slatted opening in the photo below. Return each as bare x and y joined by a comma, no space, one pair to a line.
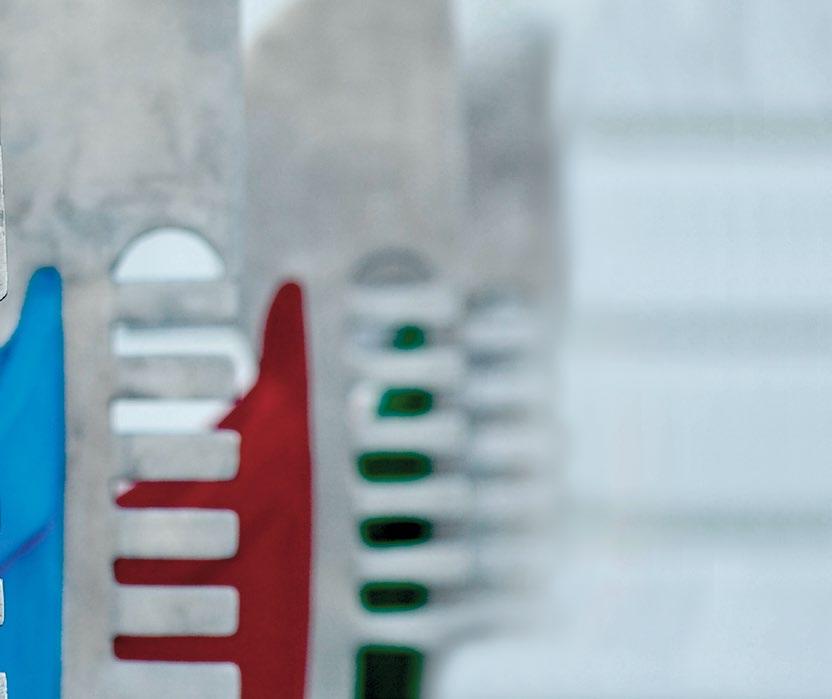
405,402
409,337
389,672
394,466
393,596
384,532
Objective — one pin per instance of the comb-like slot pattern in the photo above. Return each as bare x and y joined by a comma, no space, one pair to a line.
262,582
171,534
410,433
506,398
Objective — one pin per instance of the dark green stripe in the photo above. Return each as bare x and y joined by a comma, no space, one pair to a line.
384,532
405,402
394,466
409,337
389,672
382,597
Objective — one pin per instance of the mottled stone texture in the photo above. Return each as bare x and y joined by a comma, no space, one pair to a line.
118,117
354,126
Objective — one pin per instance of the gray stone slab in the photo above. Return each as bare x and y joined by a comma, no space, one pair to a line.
119,118
354,186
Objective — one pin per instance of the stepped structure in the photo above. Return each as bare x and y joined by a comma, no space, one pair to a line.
355,131
513,294
335,533
121,120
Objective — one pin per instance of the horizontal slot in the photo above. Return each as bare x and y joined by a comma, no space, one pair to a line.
379,597
405,402
383,532
389,672
394,467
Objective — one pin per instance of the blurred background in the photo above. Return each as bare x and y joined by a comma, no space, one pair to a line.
694,527
692,531
687,551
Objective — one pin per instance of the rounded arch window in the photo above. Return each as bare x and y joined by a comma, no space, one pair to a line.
168,254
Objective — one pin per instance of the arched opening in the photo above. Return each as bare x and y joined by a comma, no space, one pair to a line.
168,254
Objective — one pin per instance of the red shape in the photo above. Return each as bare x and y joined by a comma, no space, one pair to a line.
272,495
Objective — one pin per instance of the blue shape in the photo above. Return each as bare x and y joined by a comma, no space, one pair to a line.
32,467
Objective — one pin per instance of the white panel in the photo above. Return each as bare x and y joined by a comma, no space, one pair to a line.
669,227
177,534
706,57
177,611
716,434
140,680
193,457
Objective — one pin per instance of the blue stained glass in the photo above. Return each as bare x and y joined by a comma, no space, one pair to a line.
32,466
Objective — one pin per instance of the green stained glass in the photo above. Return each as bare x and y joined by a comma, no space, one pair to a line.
389,672
385,532
394,466
393,596
405,402
409,337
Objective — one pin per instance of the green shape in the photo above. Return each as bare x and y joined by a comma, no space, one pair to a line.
381,597
410,337
386,532
394,466
389,672
405,402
